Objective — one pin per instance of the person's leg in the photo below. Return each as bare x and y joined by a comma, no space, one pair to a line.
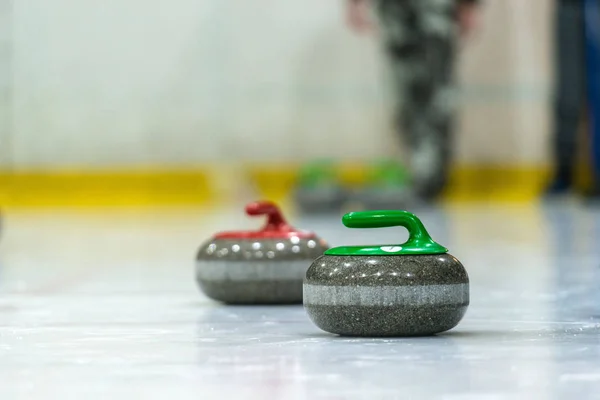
592,50
420,38
432,95
569,90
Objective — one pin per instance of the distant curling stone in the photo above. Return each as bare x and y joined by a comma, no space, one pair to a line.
412,289
258,267
318,189
387,187
320,199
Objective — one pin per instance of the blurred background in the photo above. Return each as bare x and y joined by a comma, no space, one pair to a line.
130,102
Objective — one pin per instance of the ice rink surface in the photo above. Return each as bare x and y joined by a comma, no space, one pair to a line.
103,305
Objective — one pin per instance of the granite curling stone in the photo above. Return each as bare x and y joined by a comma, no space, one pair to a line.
318,189
258,267
388,186
412,289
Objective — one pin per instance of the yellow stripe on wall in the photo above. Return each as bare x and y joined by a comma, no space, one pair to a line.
93,188
199,185
496,183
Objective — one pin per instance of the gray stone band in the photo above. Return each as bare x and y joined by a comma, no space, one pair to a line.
427,295
251,271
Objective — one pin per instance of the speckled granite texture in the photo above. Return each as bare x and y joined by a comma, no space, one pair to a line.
247,271
386,321
265,292
386,295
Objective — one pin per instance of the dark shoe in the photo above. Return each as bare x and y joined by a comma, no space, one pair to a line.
558,187
592,195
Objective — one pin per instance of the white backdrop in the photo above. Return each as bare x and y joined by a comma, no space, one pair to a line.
176,82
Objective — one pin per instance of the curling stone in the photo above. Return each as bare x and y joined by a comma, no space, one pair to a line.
258,267
387,187
411,289
318,189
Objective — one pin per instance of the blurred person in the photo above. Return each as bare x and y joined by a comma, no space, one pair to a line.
569,93
421,38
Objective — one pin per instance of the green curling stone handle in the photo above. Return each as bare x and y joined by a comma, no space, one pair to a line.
419,241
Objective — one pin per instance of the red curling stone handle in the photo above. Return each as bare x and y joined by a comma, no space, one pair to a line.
275,228
275,220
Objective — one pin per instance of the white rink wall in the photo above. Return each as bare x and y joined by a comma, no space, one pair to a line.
89,83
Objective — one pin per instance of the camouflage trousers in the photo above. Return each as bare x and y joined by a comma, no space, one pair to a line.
420,40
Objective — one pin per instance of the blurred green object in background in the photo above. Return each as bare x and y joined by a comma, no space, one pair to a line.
319,187
318,174
389,174
387,186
